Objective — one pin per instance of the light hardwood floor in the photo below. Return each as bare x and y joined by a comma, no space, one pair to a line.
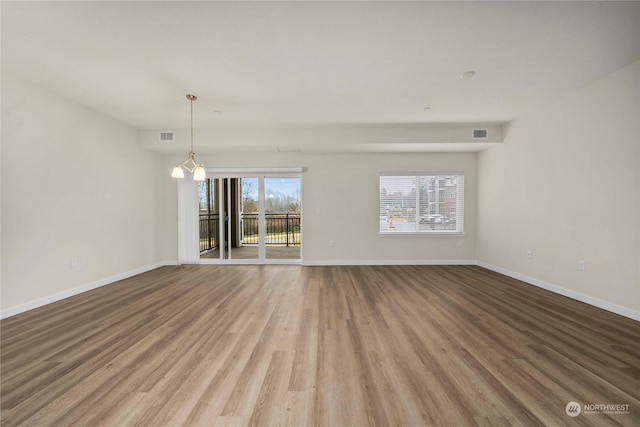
327,346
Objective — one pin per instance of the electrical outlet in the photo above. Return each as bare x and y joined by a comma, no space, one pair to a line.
529,254
582,265
74,262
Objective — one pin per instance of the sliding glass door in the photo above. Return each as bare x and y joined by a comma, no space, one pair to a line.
250,218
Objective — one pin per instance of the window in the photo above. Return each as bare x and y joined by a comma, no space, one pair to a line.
423,204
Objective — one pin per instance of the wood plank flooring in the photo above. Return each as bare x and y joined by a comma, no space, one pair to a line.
318,346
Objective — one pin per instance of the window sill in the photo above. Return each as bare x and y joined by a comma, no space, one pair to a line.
419,234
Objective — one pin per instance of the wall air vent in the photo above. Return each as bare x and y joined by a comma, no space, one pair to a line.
480,134
167,136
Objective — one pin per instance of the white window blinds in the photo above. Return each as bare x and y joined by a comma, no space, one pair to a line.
424,203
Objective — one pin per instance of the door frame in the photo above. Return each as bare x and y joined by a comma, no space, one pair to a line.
188,211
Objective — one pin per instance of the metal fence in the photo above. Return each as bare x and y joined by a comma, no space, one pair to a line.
281,229
209,224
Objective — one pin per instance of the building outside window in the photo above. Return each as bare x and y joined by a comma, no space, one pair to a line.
422,203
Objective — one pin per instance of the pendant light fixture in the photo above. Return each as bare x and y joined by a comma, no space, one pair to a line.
190,164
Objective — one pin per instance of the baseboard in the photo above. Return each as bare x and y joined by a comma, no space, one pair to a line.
390,262
587,299
12,311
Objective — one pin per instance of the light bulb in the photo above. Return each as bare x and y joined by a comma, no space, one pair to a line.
177,172
199,174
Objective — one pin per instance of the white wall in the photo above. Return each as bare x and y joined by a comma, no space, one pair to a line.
566,184
74,183
328,140
341,204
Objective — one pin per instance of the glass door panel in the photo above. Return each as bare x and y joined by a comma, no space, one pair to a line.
282,217
245,229
229,218
209,213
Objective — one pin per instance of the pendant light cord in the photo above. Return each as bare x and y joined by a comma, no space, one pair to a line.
191,102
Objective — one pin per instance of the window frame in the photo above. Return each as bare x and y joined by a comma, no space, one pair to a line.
420,231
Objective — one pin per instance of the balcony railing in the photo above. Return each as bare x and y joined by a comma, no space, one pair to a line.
282,229
209,226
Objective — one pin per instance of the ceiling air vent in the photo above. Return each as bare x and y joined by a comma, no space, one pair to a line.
167,136
480,134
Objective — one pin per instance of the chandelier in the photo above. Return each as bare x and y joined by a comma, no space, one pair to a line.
190,165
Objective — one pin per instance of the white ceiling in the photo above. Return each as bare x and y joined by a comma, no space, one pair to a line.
315,64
